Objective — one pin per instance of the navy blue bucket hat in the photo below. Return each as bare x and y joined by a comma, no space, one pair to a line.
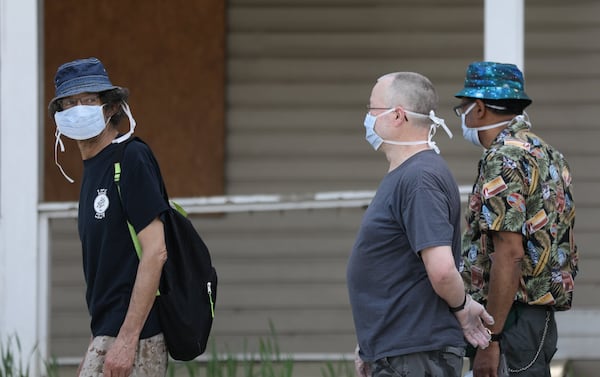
494,81
81,76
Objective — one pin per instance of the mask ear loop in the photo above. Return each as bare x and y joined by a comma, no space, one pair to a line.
432,144
437,122
132,124
524,117
62,149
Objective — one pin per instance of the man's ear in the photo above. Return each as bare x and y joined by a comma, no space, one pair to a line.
110,110
400,114
479,110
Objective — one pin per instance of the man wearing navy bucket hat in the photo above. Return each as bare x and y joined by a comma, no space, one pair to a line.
121,288
519,255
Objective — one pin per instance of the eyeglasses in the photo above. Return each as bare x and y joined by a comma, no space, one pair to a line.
86,100
458,109
369,108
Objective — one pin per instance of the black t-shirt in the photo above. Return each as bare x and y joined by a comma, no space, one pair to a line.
110,261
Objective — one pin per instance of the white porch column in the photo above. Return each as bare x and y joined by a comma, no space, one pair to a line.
504,31
20,93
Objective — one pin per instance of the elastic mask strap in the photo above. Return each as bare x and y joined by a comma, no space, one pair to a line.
432,144
132,124
490,126
437,122
523,118
62,149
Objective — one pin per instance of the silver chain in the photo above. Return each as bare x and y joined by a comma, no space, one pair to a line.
539,348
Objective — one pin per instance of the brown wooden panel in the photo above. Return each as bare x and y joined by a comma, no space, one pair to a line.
171,56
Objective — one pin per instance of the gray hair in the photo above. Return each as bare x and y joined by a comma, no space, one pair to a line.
412,91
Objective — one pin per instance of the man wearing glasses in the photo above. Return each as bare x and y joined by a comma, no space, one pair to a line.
518,250
410,310
120,288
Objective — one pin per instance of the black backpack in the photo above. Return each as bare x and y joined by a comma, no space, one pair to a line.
188,286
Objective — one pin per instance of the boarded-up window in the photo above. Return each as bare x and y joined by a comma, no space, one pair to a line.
171,56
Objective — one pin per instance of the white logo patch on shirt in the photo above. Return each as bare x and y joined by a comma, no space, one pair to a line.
101,204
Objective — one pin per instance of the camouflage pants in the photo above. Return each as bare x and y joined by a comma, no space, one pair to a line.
444,363
150,358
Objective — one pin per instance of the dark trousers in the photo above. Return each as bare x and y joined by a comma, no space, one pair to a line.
530,343
447,362
529,340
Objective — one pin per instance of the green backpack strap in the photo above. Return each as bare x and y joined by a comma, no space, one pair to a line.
132,233
134,237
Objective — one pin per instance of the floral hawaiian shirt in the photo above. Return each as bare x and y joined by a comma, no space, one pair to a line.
523,186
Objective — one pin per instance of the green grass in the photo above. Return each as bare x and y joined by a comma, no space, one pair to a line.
11,362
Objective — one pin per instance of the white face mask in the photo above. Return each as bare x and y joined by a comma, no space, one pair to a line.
472,134
376,140
82,123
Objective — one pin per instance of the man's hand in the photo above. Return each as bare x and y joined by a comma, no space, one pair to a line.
472,319
486,361
119,359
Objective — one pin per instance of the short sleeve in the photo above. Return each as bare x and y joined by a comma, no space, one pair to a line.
504,190
141,186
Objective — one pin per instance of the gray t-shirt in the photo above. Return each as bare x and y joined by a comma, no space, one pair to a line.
395,309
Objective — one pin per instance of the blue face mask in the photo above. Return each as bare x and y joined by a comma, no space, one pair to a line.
469,134
371,136
376,140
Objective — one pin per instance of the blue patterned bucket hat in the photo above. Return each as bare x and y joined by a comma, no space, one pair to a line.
495,81
81,76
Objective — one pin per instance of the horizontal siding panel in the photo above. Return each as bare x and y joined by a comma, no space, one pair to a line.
541,68
256,322
71,324
307,174
549,90
586,296
68,274
351,19
299,222
290,296
285,271
576,42
569,115
342,94
235,4
351,45
298,94
68,298
338,69
264,245
350,143
588,268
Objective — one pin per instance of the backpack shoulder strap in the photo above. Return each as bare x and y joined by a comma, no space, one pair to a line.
117,157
